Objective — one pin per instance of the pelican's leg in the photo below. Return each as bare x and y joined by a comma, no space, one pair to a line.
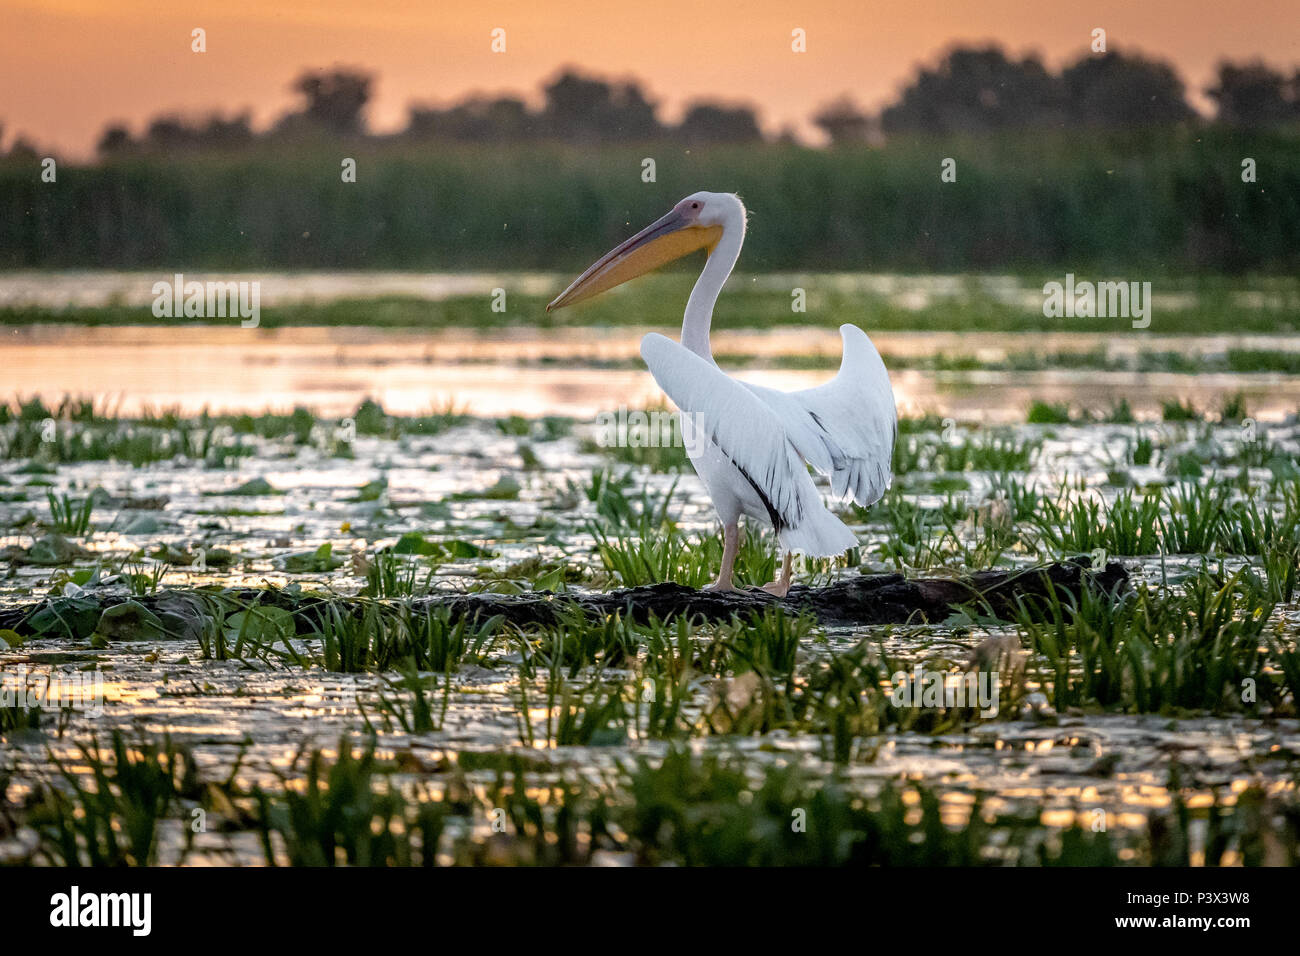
781,586
730,544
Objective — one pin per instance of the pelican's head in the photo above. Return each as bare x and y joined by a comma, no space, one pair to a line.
697,222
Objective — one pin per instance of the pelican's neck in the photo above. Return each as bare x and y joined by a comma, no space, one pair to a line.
699,307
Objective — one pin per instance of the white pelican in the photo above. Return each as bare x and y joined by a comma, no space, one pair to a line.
751,445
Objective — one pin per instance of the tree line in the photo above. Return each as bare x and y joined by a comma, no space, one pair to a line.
971,90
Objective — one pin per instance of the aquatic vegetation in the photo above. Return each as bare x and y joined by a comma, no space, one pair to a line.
343,814
406,704
1125,526
1157,649
768,643
650,554
1179,411
1281,565
994,451
584,739
438,641
355,641
114,821
16,717
390,574
142,578
1048,413
649,437
575,642
683,808
591,714
1141,450
69,517
1195,517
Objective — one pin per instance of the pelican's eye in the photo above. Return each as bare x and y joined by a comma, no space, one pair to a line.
695,205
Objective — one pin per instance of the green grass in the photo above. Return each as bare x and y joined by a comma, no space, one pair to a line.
405,704
682,808
1048,413
344,814
68,516
664,704
669,554
114,820
76,430
391,575
1159,649
995,450
658,301
1131,203
437,641
16,717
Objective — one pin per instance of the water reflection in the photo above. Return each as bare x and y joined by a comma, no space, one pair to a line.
570,371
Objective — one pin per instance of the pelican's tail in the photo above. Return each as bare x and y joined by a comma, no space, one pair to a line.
819,535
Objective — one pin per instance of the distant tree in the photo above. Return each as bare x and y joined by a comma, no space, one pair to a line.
843,122
717,123
335,102
222,133
787,137
172,133
1253,95
476,119
584,108
22,149
573,103
166,133
1118,90
632,115
115,139
976,89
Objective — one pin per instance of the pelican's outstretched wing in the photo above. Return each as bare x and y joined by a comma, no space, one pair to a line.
752,436
845,428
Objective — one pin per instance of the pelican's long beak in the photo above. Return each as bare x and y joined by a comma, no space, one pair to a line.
666,239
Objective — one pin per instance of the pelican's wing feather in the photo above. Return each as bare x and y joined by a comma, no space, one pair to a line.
845,428
754,438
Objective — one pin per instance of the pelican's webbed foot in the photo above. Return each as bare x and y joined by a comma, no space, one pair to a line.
720,587
781,586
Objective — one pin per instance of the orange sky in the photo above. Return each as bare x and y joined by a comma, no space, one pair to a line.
69,66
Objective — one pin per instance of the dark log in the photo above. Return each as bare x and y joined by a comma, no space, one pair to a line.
866,599
863,600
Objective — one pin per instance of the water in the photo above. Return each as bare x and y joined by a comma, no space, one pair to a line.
1114,764
1077,763
575,372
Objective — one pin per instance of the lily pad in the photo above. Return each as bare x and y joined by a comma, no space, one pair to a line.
259,625
71,617
371,490
143,524
130,621
302,562
415,543
254,486
505,489
170,554
55,549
